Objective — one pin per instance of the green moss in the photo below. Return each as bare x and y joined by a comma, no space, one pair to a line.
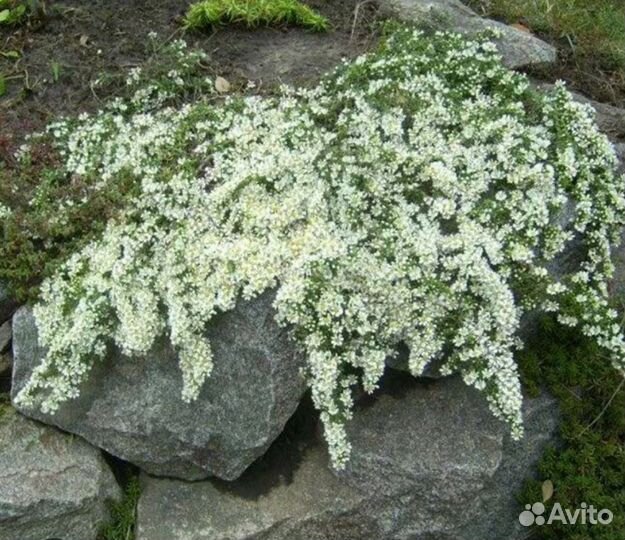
253,13
589,466
123,514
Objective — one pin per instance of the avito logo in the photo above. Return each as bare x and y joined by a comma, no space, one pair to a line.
586,514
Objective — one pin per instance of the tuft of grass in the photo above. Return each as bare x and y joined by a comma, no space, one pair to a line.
589,465
123,514
590,34
253,13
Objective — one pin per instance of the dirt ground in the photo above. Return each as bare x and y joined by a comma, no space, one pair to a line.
61,56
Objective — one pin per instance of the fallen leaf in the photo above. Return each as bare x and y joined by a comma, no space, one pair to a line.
222,85
521,27
84,40
547,489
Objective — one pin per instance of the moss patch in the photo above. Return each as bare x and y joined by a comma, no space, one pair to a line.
590,465
5,404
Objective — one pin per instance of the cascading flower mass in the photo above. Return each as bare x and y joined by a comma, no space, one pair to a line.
418,195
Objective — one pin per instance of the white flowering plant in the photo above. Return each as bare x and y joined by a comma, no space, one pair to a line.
422,195
172,73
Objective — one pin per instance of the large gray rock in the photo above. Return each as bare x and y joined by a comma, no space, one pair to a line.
518,48
7,304
429,462
52,485
133,409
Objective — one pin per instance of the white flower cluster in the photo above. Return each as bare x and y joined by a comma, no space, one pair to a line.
4,211
171,71
415,196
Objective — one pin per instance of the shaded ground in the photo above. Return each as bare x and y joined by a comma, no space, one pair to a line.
61,56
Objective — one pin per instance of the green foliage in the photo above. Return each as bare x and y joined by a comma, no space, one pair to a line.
123,514
253,13
590,464
55,71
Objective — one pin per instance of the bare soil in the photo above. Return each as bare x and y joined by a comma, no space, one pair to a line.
61,56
